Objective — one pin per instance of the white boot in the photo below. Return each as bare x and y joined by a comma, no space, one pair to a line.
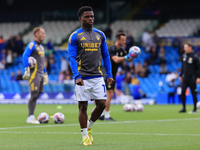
31,119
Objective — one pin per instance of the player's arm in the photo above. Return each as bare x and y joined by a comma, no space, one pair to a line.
106,59
197,64
117,59
181,73
72,53
45,71
27,52
46,78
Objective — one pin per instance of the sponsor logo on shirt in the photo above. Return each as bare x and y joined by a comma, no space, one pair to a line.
83,38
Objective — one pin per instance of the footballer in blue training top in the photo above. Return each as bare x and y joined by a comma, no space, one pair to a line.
85,47
37,76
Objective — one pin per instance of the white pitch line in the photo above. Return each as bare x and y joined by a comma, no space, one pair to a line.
102,123
156,134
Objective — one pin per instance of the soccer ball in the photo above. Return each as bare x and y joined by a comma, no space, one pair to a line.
32,62
198,104
43,117
139,107
58,117
134,51
129,107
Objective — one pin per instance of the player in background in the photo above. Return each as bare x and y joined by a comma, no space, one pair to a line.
190,75
117,55
85,47
37,77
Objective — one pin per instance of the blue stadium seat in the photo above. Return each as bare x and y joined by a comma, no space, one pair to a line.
149,85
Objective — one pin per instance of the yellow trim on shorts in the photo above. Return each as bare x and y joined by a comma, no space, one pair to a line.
33,74
32,86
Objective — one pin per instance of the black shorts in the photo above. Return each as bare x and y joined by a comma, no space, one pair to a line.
36,83
111,86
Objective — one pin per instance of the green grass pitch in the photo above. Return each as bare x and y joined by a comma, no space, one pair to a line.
157,127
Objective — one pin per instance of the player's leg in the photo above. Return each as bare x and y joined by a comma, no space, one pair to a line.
100,106
96,113
82,97
83,122
98,93
32,102
82,105
183,97
36,87
173,98
193,87
169,96
110,93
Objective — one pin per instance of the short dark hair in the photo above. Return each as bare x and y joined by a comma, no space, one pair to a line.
84,8
119,34
36,29
190,45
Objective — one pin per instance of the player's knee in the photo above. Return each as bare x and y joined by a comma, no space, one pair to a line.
194,94
110,93
83,108
102,105
35,95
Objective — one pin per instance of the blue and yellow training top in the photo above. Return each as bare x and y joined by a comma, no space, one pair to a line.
35,50
85,48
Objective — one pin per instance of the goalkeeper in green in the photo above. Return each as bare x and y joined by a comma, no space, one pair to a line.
37,77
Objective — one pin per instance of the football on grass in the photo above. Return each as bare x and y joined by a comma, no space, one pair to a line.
139,107
198,104
58,118
43,117
32,62
129,107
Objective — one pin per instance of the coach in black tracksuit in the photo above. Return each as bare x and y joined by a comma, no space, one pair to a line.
190,74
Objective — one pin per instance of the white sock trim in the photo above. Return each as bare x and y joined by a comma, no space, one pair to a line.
31,117
90,123
107,114
84,132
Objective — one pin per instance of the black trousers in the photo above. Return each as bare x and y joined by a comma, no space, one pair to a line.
192,84
171,95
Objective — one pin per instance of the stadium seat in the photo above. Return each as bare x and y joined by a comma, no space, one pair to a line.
55,30
183,28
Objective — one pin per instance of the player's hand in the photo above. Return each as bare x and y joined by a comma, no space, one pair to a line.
26,75
130,59
110,80
79,81
197,80
180,79
128,56
46,79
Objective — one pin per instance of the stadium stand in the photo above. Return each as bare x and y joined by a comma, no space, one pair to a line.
60,30
55,30
146,83
13,29
179,27
134,27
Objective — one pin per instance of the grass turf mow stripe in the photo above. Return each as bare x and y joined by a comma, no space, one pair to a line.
117,122
100,133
